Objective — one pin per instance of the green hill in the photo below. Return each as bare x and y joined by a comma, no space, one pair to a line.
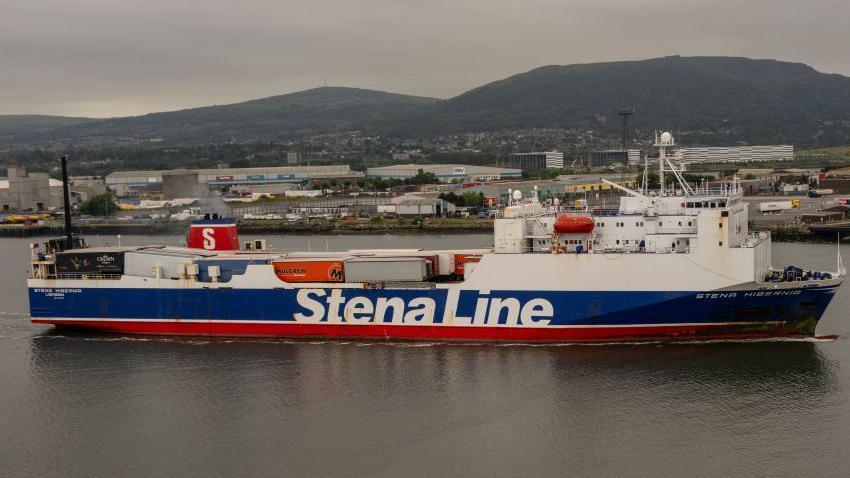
16,126
721,100
312,111
755,100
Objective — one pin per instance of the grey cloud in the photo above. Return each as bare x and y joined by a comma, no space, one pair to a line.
112,58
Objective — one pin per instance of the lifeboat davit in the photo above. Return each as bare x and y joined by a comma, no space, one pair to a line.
573,224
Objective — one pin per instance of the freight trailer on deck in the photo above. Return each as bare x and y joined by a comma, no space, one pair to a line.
386,269
310,269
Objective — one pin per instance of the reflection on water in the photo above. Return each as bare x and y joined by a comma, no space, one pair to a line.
363,408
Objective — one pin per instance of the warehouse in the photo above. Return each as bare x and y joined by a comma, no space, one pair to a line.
446,173
20,191
190,183
568,186
412,205
537,161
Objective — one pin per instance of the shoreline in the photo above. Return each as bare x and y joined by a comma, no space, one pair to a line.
336,227
255,227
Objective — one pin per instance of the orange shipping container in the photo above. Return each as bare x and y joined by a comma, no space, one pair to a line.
461,259
309,271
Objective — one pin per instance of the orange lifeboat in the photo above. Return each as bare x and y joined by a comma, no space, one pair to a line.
572,224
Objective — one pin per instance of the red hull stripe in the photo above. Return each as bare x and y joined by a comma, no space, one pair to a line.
428,332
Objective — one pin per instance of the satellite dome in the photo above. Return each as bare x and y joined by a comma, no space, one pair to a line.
666,138
517,195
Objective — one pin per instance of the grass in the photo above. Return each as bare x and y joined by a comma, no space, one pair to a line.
835,151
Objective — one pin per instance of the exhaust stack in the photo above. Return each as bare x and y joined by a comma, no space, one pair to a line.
213,233
66,197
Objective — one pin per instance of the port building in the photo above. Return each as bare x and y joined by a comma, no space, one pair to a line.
536,161
613,156
196,182
735,154
568,187
22,191
446,173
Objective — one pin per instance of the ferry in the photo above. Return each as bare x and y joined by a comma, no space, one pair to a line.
674,264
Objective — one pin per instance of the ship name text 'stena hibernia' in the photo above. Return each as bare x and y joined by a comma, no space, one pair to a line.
674,264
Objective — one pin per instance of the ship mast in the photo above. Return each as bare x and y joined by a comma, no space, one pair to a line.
662,142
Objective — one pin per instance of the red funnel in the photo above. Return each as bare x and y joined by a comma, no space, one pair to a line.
213,235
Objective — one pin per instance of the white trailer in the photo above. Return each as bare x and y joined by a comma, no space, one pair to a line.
775,206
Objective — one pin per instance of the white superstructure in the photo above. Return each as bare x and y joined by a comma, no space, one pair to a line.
699,234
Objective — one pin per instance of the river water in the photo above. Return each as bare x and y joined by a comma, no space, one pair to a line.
99,405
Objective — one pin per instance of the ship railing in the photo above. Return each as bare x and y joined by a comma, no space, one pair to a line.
92,276
605,212
398,284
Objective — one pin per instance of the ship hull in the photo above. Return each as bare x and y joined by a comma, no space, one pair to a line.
437,314
602,334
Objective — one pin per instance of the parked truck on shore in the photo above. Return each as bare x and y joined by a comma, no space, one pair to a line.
777,206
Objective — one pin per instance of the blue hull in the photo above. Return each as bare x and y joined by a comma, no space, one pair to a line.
435,314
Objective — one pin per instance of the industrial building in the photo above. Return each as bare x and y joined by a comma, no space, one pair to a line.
735,153
593,183
536,161
445,172
613,156
568,187
84,188
20,191
411,205
196,182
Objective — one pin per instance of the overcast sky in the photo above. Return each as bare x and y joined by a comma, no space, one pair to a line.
124,57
